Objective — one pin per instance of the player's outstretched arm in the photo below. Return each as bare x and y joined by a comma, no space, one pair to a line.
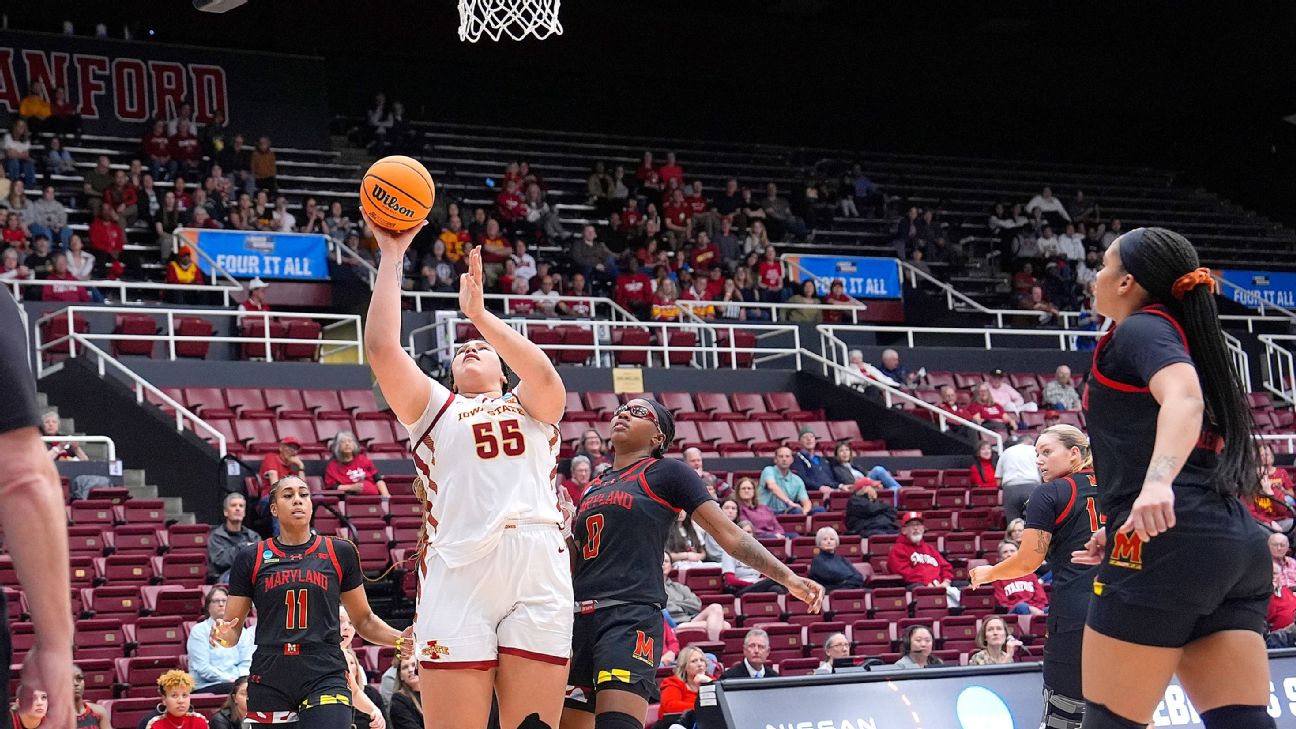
744,548
542,392
404,386
1035,545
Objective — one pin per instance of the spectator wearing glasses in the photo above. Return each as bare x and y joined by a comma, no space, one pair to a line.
215,670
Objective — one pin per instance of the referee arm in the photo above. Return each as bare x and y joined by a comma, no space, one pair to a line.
31,513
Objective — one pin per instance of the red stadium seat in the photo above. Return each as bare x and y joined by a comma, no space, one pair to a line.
741,340
98,673
304,432
126,569
304,329
704,580
173,600
113,601
98,638
760,607
248,402
192,326
716,405
798,666
86,540
681,406
57,328
94,512
377,436
144,511
637,342
684,339
137,677
184,569
128,712
207,402
786,405
576,336
752,405
157,636
286,402
362,404
137,325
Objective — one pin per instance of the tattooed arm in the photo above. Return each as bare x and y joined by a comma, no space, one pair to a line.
1035,545
1178,391
743,547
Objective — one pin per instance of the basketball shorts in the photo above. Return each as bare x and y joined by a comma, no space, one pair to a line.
616,648
516,600
1062,656
1211,572
280,686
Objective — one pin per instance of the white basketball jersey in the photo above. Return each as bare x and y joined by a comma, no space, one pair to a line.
484,462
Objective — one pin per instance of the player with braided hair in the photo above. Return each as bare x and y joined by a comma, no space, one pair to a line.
1184,576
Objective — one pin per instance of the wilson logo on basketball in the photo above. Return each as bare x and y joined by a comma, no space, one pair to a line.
389,201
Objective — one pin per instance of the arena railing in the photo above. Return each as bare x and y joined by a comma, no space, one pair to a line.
1069,319
1288,438
1067,339
1248,298
1280,368
850,312
1241,360
615,311
122,287
106,363
328,347
111,449
709,352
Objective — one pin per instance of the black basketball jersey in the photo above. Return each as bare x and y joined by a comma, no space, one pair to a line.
296,589
1069,509
621,527
1122,414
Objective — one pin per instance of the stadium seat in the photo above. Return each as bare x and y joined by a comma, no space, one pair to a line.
137,677
128,712
752,406
889,603
184,569
760,607
636,343
143,511
134,325
786,405
156,636
98,638
99,512
87,540
304,329
681,406
98,673
798,666
113,601
192,326
686,341
286,402
57,328
703,580
207,402
172,600
248,402
575,336
126,569
362,404
740,340
136,538
377,436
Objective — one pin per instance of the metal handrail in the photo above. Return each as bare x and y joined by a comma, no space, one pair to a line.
851,310
327,347
618,312
123,286
1241,360
1280,367
952,293
1067,338
112,446
141,386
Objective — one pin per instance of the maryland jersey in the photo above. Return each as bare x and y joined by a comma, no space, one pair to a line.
485,463
296,588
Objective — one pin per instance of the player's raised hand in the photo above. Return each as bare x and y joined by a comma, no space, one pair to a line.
471,299
1092,553
807,591
222,635
389,242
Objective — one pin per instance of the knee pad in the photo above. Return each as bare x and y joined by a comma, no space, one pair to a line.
1061,711
1097,716
616,720
1238,717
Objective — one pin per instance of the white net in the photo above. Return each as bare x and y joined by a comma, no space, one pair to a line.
516,19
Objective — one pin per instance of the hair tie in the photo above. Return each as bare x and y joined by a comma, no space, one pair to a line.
1190,281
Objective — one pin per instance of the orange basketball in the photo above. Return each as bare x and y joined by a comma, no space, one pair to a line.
397,192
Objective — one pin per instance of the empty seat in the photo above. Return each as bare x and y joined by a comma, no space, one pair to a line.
140,675
121,601
134,325
172,600
734,357
200,329
98,638
716,405
93,511
157,636
184,569
574,336
362,404
256,327
57,329
635,343
125,569
248,402
286,402
680,346
307,350
207,402
144,511
377,436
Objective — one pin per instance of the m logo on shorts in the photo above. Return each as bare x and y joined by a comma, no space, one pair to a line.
1127,551
643,648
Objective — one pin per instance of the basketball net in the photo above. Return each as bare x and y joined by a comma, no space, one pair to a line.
516,19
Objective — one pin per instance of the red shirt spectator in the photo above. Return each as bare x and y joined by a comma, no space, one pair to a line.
359,471
771,274
678,213
156,143
671,171
512,205
185,145
917,562
183,270
704,254
1267,510
126,195
631,218
645,168
633,288
715,284
1282,608
1026,589
63,292
982,472
836,295
521,307
991,411
106,236
696,204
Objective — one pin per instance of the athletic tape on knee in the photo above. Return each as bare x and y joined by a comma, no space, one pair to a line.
1061,712
1098,716
1238,717
616,720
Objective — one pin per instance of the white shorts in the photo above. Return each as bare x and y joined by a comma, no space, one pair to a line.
517,601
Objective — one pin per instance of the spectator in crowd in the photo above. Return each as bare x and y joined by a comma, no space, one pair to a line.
351,471
123,197
685,609
950,404
599,188
510,205
807,295
685,544
227,538
88,713
727,243
778,213
750,509
10,267
547,299
34,109
743,578
67,292
917,562
1081,211
592,447
580,478
106,234
165,222
96,181
1005,394
665,306
59,451
815,470
524,264
338,224
757,241
1114,230
916,647
1060,393
235,160
64,119
264,167
634,289
80,261
232,713
1015,531
406,707
1269,509
286,461
217,670
1018,476
756,649
697,293
186,149
677,215
1023,595
174,711
1071,245
836,648
671,171
982,472
367,712
1282,605
157,152
837,297
1087,270
996,642
693,459
783,490
770,276
852,479
679,691
282,221
49,217
213,137
984,411
897,372
1280,483
704,218
38,259
1279,547
1035,300
182,270
830,569
1051,207
592,258
18,163
58,161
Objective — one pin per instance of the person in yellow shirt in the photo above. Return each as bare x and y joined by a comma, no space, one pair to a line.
35,107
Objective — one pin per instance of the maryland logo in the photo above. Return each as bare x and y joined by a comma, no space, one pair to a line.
433,652
644,648
1127,551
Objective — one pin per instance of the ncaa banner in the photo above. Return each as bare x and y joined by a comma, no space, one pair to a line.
249,254
989,697
118,86
1273,288
865,278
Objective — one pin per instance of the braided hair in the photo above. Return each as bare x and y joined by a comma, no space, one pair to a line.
1158,259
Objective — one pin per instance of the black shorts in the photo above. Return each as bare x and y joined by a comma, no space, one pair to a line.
279,684
1062,656
1211,572
615,648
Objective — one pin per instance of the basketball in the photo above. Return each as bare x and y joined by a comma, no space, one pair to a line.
397,192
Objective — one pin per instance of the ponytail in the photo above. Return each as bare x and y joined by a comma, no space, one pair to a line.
1165,264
